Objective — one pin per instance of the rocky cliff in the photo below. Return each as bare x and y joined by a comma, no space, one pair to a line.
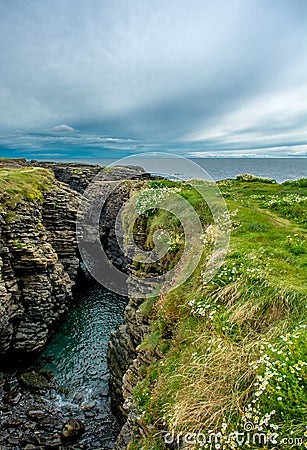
38,266
127,360
38,251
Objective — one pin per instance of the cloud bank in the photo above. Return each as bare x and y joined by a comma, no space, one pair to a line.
196,76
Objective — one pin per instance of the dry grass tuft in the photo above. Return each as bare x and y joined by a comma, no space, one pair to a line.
213,385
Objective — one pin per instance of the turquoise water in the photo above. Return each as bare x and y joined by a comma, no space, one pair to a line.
76,356
77,353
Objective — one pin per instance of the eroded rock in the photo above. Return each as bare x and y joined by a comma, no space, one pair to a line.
34,380
72,430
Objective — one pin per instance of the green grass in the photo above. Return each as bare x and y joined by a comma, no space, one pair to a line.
23,184
234,350
151,219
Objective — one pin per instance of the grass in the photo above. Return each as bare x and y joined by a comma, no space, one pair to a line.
170,219
234,350
23,184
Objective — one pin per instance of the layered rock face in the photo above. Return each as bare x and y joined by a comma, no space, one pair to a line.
127,360
110,179
38,266
39,254
77,176
39,262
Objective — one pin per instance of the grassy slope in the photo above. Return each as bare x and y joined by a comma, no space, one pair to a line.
235,350
27,183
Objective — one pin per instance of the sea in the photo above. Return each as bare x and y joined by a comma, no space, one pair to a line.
280,169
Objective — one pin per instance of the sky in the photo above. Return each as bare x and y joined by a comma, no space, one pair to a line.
109,78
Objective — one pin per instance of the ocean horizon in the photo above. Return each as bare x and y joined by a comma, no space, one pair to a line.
280,169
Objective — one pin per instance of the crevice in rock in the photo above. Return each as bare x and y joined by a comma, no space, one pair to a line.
39,266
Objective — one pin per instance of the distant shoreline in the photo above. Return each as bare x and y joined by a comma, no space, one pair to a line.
279,169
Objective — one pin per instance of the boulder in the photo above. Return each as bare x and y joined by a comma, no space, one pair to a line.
34,380
72,430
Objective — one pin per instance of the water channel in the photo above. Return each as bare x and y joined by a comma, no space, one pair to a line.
76,357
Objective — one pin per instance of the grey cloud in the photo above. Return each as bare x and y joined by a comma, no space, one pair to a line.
154,70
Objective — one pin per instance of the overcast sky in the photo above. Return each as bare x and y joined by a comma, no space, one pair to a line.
113,77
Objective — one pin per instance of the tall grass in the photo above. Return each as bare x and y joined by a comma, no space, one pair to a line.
234,350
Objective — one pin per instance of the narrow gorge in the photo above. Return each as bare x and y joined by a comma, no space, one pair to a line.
47,298
85,368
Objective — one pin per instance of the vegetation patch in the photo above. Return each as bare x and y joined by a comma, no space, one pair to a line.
24,184
234,349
